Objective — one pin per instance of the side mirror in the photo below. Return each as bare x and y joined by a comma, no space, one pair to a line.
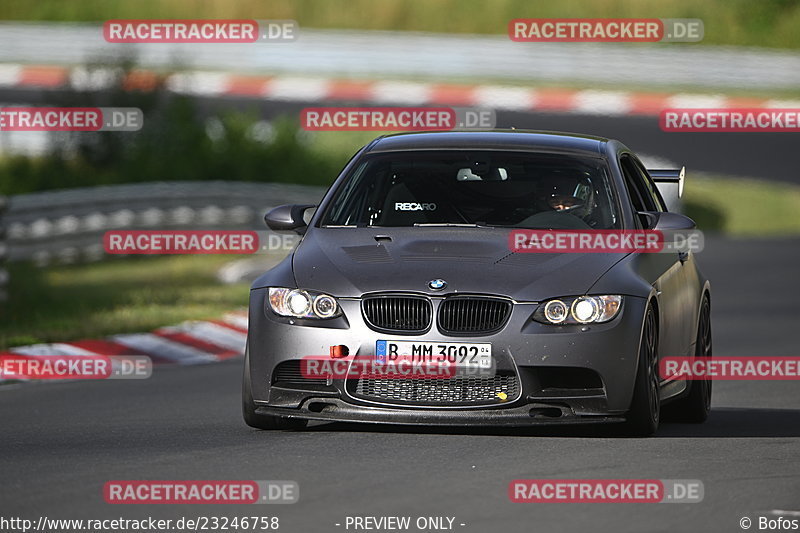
649,219
288,218
666,221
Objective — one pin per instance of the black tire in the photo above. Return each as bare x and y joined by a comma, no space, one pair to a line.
645,412
262,421
694,407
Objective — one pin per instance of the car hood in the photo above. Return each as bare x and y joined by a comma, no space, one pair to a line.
349,262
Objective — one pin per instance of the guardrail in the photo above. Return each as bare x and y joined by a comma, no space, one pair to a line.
395,55
68,226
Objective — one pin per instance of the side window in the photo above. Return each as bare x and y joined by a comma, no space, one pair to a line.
640,200
348,201
652,190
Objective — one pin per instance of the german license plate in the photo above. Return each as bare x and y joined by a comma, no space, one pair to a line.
467,355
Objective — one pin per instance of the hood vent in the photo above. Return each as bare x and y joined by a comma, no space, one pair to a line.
368,254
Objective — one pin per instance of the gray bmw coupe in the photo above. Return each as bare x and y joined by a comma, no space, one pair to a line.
408,257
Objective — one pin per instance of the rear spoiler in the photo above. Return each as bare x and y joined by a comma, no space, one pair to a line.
670,185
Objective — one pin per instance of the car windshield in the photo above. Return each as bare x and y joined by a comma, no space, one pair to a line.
476,188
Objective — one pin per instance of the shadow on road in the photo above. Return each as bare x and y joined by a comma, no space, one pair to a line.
739,422
723,422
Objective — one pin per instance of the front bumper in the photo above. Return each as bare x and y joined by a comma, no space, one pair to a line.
567,374
336,410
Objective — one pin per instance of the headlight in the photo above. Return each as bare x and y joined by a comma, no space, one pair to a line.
585,310
556,311
302,304
578,310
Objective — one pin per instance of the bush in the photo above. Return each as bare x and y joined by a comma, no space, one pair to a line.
176,142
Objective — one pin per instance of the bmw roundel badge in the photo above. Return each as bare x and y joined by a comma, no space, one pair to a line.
437,284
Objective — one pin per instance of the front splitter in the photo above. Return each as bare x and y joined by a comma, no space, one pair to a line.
532,414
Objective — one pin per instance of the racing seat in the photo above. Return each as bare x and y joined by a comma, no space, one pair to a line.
391,215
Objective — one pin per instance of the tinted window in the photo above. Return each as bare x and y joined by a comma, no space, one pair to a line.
650,186
508,189
640,197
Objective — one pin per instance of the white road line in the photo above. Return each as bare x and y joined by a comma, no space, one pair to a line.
168,349
240,321
56,348
684,100
288,88
199,83
499,97
602,103
9,75
44,349
214,334
394,92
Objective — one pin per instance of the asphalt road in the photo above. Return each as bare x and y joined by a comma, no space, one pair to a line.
61,442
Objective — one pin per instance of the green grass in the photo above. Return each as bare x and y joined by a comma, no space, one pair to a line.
340,145
742,207
770,23
64,303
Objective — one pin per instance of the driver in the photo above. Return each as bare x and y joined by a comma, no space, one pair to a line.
579,203
563,202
